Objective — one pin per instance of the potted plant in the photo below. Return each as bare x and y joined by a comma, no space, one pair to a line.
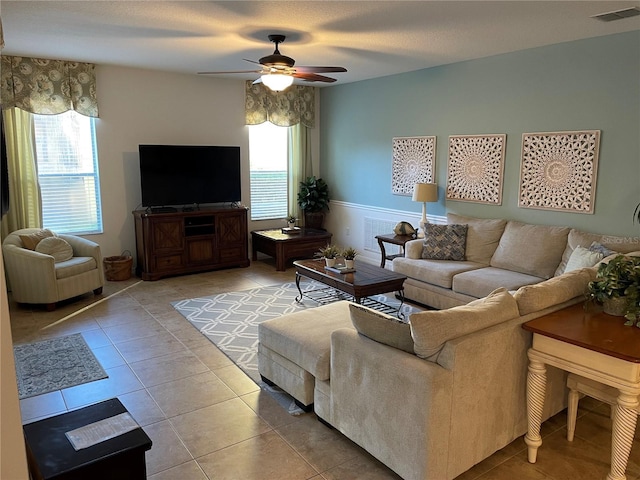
617,288
329,253
291,220
349,255
313,200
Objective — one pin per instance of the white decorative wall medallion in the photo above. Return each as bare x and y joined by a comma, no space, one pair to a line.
414,161
559,171
475,168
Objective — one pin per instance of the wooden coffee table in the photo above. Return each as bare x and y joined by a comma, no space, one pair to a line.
365,282
284,246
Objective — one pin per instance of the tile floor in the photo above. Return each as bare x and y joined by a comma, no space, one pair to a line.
208,420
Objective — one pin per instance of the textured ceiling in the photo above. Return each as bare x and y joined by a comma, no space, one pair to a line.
369,38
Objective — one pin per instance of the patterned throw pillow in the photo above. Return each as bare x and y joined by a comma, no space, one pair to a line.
444,242
599,248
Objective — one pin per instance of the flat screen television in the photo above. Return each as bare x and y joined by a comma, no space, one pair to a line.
180,175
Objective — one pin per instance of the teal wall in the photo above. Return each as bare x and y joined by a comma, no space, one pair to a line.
591,84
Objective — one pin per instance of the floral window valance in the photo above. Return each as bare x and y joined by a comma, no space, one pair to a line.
44,86
294,105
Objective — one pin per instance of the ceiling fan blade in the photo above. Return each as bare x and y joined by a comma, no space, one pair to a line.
251,61
234,71
307,69
313,77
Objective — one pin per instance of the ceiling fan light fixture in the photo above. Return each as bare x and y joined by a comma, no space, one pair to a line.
277,81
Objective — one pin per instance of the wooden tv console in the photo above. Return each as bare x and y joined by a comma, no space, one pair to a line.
178,242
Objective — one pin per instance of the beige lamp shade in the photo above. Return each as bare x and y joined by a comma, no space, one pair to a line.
425,192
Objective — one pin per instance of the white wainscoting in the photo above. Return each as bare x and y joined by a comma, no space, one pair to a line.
357,225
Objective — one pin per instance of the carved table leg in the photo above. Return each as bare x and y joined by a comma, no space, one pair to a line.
383,253
299,297
536,386
623,430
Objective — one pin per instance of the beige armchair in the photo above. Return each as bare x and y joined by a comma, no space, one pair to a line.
36,277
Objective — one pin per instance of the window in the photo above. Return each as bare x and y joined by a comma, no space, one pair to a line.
67,163
268,159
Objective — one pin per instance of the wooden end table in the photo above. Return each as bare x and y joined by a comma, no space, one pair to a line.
366,281
394,240
598,347
285,246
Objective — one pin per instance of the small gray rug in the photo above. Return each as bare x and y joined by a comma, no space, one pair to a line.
230,320
55,364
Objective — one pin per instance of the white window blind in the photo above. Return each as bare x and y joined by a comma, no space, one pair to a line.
67,162
268,159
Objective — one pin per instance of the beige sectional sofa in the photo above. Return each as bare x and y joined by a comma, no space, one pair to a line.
432,398
499,253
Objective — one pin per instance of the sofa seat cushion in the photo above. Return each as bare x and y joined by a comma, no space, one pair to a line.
304,337
531,249
74,266
435,272
479,283
483,236
432,329
556,290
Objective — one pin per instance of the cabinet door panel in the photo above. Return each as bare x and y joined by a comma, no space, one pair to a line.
201,251
231,230
168,235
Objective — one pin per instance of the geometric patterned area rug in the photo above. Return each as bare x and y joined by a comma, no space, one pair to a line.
55,364
230,320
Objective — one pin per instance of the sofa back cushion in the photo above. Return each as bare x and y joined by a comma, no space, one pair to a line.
483,235
556,290
578,238
381,327
432,329
532,249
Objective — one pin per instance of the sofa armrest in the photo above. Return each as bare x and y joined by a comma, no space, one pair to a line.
31,275
413,248
83,247
394,404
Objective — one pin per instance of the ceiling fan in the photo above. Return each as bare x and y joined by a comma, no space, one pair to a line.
278,71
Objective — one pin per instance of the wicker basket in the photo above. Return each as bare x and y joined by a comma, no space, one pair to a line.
118,268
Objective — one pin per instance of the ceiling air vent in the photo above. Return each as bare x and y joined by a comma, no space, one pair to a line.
618,14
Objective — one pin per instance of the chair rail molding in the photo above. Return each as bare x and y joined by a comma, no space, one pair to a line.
357,225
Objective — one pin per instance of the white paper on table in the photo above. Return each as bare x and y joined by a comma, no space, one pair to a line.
101,431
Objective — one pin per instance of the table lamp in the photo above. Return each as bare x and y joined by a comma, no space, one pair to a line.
425,192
